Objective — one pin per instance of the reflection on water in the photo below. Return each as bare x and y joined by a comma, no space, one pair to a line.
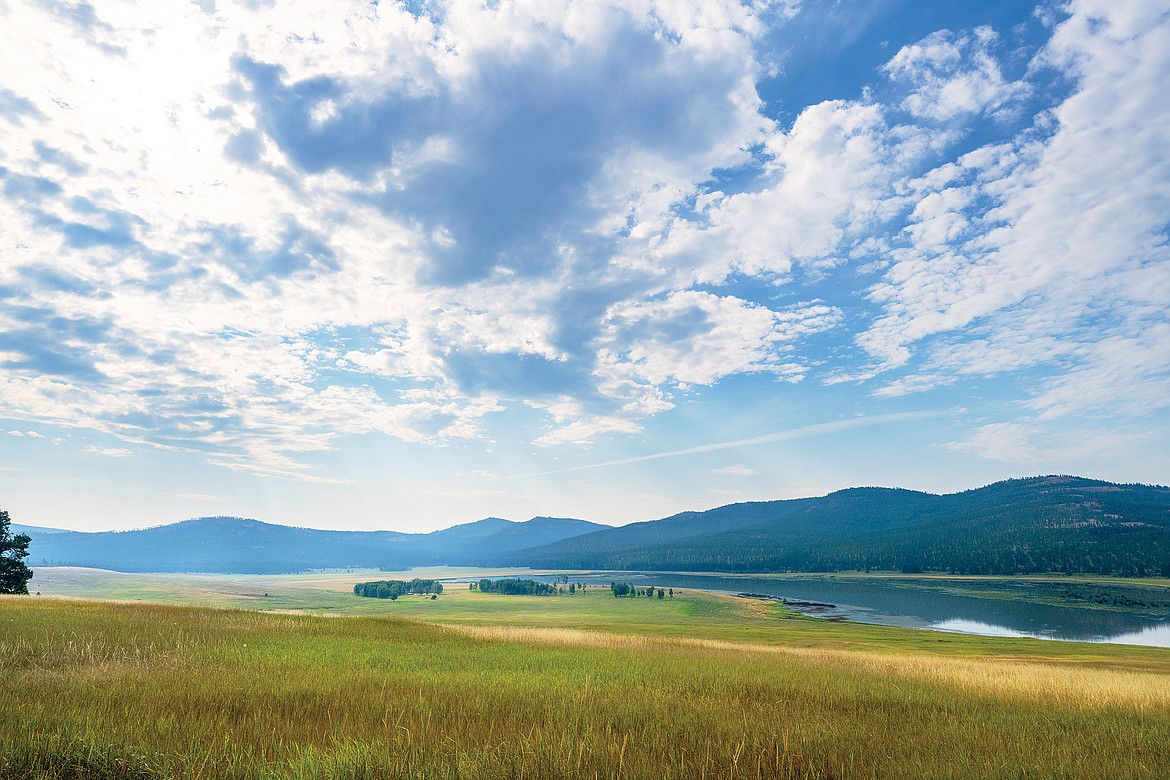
916,604
962,626
1151,636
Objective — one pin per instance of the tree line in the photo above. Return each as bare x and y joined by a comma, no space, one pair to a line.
1125,554
620,589
519,587
392,589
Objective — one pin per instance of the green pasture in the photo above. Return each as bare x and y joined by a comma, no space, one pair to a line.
691,614
311,681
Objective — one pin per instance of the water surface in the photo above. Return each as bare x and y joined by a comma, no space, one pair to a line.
1001,609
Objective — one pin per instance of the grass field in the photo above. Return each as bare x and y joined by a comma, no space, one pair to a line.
483,686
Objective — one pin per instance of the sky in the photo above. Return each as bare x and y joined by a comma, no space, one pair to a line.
402,265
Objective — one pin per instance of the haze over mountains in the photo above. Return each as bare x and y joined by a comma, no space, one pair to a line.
1040,524
241,546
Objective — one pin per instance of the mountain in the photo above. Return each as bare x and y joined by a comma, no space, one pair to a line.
1040,524
486,542
238,545
17,528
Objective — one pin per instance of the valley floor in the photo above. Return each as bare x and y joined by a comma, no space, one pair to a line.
478,685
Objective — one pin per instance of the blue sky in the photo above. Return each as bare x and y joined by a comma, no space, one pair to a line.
383,265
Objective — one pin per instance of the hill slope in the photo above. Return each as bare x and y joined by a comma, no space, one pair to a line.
1041,524
241,546
17,528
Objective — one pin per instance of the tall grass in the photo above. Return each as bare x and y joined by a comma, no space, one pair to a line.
99,690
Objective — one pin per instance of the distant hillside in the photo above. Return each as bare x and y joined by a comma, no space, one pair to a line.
242,546
17,528
1041,524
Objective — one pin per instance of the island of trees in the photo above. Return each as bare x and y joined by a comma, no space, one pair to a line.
392,589
620,589
518,587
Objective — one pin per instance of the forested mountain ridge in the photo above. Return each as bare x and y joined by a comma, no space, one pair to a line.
1039,524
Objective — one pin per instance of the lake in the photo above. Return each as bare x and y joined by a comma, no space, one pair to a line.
1123,614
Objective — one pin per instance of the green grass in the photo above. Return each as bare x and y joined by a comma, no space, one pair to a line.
487,686
694,615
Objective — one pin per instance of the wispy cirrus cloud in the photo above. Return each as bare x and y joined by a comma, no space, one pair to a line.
737,470
795,434
1050,251
109,452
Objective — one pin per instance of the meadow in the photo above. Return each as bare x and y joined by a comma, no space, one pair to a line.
479,685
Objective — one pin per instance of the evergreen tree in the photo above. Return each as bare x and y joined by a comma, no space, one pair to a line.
14,575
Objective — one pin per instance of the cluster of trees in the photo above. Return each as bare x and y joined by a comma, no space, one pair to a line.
620,589
14,575
392,589
517,587
969,554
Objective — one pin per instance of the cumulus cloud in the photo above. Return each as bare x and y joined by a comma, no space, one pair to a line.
697,338
825,183
231,228
953,75
513,127
248,234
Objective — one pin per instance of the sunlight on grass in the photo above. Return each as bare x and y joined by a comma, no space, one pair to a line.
1078,687
485,685
98,689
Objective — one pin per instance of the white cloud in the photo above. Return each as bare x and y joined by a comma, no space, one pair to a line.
249,233
1051,251
212,252
696,338
586,430
195,496
1043,447
1121,373
1009,441
827,181
794,434
650,350
738,470
954,75
109,452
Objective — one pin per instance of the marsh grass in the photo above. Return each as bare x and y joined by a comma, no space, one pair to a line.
97,690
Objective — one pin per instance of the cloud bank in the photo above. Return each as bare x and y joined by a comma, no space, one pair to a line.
246,232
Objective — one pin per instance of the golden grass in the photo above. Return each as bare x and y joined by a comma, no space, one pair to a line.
1004,678
706,686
